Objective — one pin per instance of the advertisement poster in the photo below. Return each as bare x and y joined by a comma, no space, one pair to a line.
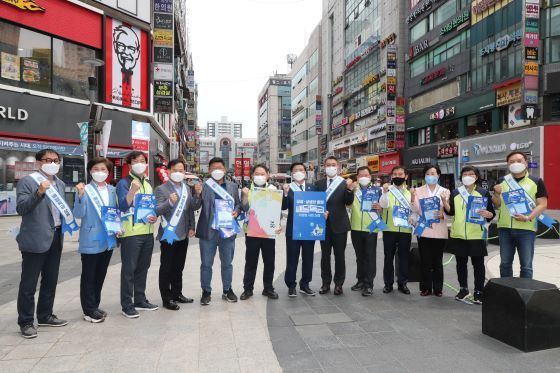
8,203
10,66
141,136
264,213
30,73
127,65
309,218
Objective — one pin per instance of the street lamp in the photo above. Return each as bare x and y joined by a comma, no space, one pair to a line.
94,127
242,168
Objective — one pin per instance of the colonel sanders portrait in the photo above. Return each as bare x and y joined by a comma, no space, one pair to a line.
127,48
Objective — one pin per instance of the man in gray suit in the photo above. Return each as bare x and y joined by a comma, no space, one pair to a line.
174,251
213,239
40,242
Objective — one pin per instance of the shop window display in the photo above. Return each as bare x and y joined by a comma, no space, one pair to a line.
479,123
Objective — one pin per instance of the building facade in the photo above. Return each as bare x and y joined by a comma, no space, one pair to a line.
224,127
239,155
274,105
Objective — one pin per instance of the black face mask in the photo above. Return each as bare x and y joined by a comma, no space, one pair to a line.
398,181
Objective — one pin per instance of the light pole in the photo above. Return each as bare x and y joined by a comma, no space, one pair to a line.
94,127
242,168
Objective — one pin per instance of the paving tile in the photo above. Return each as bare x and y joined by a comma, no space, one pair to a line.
335,317
376,326
323,343
306,331
219,365
28,351
67,348
319,310
299,362
10,339
57,364
17,366
309,319
345,328
358,340
290,347
341,357
224,351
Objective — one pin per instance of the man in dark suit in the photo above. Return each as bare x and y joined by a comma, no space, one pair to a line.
40,241
293,247
338,225
173,255
210,239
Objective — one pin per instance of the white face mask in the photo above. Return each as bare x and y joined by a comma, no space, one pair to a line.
259,180
468,180
177,176
139,168
217,175
364,181
50,169
298,176
516,168
331,171
99,176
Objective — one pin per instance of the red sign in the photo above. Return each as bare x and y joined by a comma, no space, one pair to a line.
61,18
142,145
388,161
433,75
242,167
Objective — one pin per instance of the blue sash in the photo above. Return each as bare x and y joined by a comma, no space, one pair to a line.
96,200
334,184
295,187
169,234
376,222
545,219
68,221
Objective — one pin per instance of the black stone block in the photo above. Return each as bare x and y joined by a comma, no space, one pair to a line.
522,313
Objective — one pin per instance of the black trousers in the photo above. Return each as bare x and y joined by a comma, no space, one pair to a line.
334,242
34,264
478,268
253,246
172,263
136,257
393,242
94,270
431,258
365,246
293,249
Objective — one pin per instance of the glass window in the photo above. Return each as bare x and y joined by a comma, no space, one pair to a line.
446,131
445,11
299,98
419,30
479,123
313,59
418,66
313,86
299,76
25,58
554,47
70,74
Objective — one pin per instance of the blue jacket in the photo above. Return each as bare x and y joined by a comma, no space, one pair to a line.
288,203
93,239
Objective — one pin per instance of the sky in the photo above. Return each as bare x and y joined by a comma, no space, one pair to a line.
237,45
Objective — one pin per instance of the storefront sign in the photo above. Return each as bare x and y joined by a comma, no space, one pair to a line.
163,71
388,161
388,40
532,24
443,113
140,136
448,150
163,37
508,95
531,39
433,75
420,9
16,114
280,82
163,54
28,5
373,163
531,53
418,48
532,10
163,88
530,96
376,131
163,21
531,82
483,5
531,68
501,43
456,22
530,111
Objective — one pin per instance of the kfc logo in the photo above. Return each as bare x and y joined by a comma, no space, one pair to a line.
127,48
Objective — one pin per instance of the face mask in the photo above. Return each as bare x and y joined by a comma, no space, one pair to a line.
431,179
516,168
299,176
259,180
468,180
139,168
218,175
398,181
177,176
331,171
99,176
50,169
364,181
377,184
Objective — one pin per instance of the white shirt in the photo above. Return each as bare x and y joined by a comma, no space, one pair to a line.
104,193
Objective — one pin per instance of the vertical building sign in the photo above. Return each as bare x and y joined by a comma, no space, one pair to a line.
391,113
163,69
141,136
531,37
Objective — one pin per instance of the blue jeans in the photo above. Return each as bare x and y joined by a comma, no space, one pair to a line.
524,241
208,249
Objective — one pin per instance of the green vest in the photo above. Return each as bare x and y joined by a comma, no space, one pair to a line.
388,213
130,228
460,228
359,220
505,220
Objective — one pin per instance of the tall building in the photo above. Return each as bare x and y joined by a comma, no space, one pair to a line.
274,124
239,154
307,103
224,127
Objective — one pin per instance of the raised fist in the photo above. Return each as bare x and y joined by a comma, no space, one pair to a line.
498,189
80,188
135,185
385,187
245,191
173,197
286,188
44,186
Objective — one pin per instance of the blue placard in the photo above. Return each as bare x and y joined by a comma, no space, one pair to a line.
474,205
516,202
369,197
309,216
223,208
112,219
430,209
400,216
533,165
144,207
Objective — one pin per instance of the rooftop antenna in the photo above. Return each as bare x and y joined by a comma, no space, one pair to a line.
291,59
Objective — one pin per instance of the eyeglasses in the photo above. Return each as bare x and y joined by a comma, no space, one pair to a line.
51,160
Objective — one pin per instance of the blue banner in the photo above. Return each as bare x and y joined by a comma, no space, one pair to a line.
430,208
309,216
144,207
474,205
516,202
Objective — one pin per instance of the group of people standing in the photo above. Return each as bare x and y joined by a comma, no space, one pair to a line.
397,213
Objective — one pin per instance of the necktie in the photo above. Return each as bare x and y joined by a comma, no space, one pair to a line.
301,187
329,184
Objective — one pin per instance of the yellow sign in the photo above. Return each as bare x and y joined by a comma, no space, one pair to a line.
392,80
531,68
481,9
509,94
30,5
163,37
373,163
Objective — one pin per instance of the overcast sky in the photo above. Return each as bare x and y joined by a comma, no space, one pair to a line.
237,44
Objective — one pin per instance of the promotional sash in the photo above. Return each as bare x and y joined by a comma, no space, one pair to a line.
513,184
68,221
97,201
464,193
376,222
169,233
225,233
334,184
295,187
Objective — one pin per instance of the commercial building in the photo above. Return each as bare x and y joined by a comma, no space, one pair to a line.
224,127
307,103
274,124
239,155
